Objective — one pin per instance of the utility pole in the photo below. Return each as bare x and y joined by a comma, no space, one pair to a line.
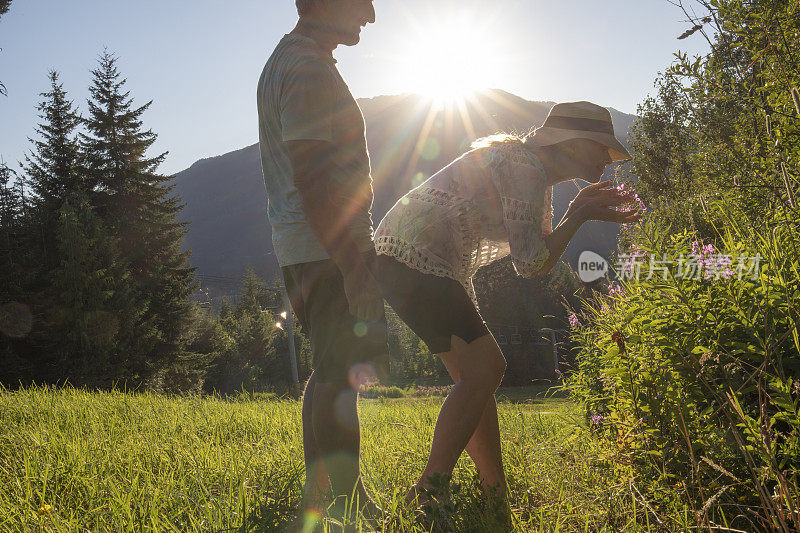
553,343
290,334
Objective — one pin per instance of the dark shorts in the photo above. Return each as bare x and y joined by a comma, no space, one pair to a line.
339,341
434,307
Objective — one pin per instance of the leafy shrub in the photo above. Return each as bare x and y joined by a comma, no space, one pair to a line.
379,391
693,382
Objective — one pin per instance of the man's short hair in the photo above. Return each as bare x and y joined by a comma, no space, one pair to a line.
304,5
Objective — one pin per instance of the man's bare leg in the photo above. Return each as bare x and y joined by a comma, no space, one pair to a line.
317,490
480,369
336,430
317,485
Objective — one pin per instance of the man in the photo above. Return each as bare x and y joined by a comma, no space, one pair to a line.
317,174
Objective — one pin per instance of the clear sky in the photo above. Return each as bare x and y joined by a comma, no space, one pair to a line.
199,60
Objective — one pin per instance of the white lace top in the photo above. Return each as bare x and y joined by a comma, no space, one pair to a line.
488,203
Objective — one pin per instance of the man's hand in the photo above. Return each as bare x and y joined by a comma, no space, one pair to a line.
329,212
363,293
596,202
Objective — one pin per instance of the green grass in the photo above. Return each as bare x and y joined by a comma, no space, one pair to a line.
141,462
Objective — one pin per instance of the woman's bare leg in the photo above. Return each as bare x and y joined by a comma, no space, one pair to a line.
484,446
480,366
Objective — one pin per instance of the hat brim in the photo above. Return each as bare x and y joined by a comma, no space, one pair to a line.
546,136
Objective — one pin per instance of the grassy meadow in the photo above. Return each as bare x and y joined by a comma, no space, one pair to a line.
72,460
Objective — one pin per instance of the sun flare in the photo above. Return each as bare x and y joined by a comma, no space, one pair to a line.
451,60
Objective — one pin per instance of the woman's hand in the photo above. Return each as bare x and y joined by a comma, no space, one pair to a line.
597,202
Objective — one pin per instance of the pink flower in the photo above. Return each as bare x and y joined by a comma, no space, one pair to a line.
596,419
636,251
573,321
712,264
615,289
632,198
631,260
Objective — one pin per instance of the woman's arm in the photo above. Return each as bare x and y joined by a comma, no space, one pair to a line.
595,202
558,240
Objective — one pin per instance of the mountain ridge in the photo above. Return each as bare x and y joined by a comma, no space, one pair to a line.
409,138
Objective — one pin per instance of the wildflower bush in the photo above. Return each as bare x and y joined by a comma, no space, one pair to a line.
422,391
691,373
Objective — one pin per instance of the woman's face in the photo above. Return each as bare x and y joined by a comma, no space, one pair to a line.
585,159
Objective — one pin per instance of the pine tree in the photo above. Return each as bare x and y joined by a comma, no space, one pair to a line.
135,203
254,294
9,203
10,214
51,175
92,312
51,168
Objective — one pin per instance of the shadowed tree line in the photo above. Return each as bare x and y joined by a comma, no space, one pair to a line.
94,286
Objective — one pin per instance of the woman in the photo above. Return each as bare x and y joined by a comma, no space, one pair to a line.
493,201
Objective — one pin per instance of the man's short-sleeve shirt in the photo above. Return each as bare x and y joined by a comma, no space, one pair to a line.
302,96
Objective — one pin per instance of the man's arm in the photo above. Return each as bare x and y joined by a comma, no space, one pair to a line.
328,215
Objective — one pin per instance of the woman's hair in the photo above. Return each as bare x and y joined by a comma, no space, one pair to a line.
502,138
304,5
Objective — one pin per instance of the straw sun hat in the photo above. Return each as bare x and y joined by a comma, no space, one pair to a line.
580,120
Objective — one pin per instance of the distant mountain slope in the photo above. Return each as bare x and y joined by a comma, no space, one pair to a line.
409,139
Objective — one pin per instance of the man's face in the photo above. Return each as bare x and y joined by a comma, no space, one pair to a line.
347,17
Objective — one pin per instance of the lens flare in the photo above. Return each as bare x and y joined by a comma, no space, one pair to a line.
431,149
345,409
362,375
310,520
360,329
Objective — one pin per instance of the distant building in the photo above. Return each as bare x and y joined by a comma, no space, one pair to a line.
532,355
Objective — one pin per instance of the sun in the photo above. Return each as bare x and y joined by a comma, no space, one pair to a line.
450,54
453,58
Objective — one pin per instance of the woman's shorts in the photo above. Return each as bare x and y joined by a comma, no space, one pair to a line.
434,307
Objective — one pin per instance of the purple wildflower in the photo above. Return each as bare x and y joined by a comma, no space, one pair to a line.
596,419
712,264
573,321
615,289
632,200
